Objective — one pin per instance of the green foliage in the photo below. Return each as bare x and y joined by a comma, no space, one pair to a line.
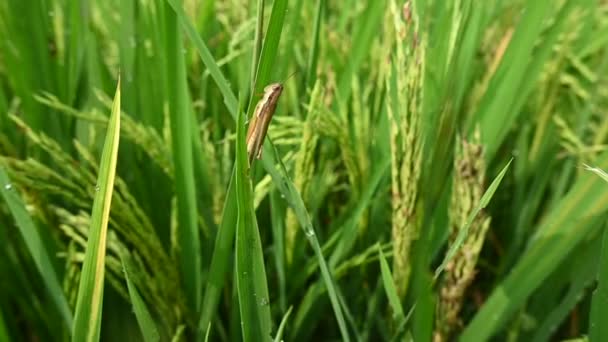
361,221
87,314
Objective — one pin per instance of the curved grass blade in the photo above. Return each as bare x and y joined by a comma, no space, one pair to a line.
207,58
572,219
87,318
597,171
462,234
389,287
144,319
207,334
37,250
580,277
250,271
279,336
294,199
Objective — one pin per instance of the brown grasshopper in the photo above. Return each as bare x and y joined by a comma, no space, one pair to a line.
260,120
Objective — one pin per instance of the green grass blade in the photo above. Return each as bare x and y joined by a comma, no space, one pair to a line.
87,317
555,238
496,113
35,246
277,215
3,330
180,114
598,330
78,17
462,234
313,57
293,198
207,58
250,271
292,35
222,254
349,232
269,50
389,287
597,171
144,319
257,41
578,279
208,333
279,336
363,37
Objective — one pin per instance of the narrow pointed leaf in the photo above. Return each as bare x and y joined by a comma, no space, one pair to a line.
464,231
34,244
144,319
87,318
251,274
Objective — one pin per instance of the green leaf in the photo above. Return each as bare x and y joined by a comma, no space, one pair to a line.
293,198
363,38
185,187
518,70
250,270
597,171
572,219
35,246
279,336
229,97
598,330
464,231
4,336
144,319
269,51
389,287
87,317
349,233
222,254
313,56
257,41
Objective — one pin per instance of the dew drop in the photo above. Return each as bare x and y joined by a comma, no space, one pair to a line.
310,233
97,188
8,186
263,302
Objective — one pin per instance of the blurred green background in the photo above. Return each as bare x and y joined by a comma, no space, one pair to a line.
433,170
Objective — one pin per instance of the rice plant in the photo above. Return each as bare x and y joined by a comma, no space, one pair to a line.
432,170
